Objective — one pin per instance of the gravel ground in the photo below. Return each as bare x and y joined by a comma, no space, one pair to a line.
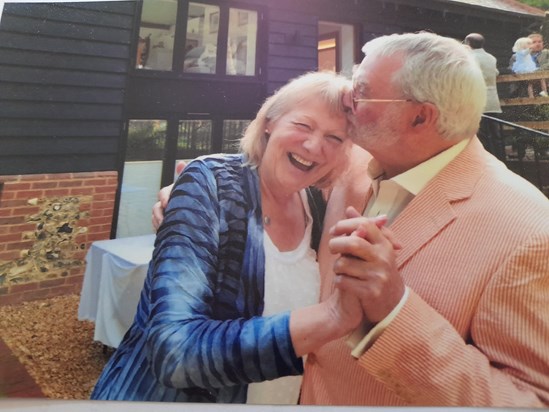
56,348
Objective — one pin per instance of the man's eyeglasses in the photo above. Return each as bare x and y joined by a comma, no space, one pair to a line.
355,101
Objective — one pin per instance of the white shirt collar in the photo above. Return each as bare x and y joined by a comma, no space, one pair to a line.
415,179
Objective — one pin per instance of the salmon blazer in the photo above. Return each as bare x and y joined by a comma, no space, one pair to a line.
475,328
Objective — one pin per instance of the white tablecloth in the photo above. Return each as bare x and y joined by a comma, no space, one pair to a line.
114,276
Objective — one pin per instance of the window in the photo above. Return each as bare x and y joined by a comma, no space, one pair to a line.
142,175
148,161
201,40
156,35
162,47
233,130
241,43
194,138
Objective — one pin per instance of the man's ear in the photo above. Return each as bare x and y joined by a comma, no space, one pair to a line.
418,120
426,115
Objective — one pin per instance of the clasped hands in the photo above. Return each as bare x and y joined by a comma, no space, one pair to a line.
367,284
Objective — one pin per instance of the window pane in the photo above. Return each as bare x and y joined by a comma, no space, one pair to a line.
142,174
201,40
146,139
232,132
156,34
194,138
241,46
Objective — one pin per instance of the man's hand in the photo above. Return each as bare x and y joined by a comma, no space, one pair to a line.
367,265
163,197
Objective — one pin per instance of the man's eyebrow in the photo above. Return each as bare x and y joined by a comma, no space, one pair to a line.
361,87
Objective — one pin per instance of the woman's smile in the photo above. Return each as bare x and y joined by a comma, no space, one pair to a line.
301,163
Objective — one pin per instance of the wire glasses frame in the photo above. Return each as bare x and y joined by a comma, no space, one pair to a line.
357,100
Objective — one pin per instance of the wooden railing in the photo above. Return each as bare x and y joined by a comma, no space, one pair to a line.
522,101
537,119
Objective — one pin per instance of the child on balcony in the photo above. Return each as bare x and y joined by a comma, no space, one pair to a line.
523,63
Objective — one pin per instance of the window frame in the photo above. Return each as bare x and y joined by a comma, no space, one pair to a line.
221,57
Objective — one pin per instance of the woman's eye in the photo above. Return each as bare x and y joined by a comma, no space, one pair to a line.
303,126
335,138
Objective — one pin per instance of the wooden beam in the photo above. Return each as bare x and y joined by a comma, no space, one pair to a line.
158,26
541,125
524,101
505,78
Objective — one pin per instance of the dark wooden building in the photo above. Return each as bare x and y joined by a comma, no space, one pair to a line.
133,86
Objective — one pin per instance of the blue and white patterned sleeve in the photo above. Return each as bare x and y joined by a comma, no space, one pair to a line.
189,345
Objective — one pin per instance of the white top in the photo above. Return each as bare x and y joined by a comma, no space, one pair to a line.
292,280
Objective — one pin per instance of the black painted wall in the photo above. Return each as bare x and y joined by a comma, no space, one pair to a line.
63,74
67,85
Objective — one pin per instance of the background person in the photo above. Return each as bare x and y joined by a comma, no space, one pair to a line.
539,52
231,293
489,131
523,63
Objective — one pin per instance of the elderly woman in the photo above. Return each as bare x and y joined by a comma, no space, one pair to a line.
232,289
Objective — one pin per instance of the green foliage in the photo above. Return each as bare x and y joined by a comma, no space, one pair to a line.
542,4
146,140
528,113
520,139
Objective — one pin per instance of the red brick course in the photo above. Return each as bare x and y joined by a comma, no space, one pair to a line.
21,197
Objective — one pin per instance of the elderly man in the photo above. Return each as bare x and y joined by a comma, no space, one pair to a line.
489,132
459,316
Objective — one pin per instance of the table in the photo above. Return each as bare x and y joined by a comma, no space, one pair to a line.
113,279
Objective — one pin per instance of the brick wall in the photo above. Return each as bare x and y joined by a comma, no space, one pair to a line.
47,223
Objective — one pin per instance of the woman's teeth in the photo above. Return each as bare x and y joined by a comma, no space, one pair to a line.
301,160
301,163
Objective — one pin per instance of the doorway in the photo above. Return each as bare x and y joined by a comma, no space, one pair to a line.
336,47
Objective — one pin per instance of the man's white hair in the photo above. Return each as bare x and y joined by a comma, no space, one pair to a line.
438,70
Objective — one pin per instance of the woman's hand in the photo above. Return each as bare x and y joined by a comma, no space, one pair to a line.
313,326
345,310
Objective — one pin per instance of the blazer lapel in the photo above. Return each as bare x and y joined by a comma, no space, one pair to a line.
432,210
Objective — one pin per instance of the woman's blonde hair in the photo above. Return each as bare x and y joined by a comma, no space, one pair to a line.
324,85
522,43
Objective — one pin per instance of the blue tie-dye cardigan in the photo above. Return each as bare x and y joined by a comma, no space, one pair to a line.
198,335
